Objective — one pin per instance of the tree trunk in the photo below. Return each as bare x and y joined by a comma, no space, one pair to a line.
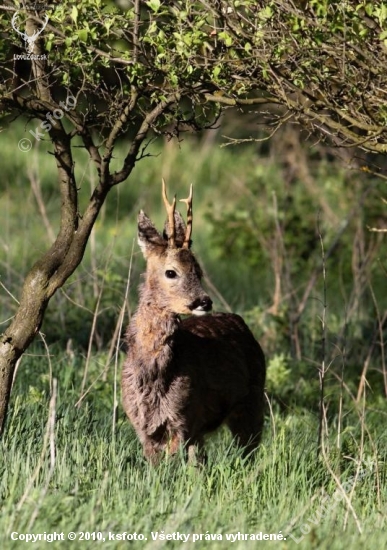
21,332
47,275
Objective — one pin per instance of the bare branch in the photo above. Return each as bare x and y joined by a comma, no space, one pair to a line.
235,102
146,125
114,134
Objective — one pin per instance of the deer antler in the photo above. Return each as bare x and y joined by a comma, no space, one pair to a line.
188,232
170,208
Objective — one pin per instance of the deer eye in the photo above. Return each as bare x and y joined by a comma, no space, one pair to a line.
170,274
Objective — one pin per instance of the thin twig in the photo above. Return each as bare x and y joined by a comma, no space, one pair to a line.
136,29
340,486
49,439
120,325
381,321
343,361
322,369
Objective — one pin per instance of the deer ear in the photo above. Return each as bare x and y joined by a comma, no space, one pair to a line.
179,229
149,239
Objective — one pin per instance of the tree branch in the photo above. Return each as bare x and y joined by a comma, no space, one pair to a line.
237,101
80,237
114,134
146,125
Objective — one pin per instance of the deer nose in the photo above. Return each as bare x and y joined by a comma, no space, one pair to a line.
201,305
206,303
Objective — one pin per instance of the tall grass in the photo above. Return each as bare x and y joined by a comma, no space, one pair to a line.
100,482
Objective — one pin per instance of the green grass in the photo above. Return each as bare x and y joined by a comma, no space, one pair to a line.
82,470
99,480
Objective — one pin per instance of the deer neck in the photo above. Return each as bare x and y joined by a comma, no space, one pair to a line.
151,333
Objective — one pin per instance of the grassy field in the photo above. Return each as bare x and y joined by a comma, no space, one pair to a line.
70,461
66,469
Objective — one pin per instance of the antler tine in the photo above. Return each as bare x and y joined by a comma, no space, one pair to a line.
188,233
170,208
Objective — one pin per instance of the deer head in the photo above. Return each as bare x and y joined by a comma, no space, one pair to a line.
29,40
173,276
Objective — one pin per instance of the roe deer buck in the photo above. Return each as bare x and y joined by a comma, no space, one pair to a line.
183,378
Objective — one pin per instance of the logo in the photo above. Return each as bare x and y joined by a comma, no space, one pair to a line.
29,40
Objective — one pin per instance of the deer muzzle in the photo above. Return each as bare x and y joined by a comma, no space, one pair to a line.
201,306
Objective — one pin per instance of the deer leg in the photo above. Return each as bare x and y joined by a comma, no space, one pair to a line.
152,453
174,443
196,453
194,449
246,422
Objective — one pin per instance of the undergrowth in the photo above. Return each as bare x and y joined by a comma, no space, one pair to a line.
89,474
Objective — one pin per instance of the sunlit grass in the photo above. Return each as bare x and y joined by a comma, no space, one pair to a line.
101,482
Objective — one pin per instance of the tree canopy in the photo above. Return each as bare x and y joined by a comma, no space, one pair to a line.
322,61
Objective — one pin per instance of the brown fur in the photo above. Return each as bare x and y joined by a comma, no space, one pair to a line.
183,378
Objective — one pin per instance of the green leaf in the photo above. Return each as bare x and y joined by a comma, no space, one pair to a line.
152,27
369,9
83,34
381,14
154,5
173,79
74,14
216,71
266,13
226,38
